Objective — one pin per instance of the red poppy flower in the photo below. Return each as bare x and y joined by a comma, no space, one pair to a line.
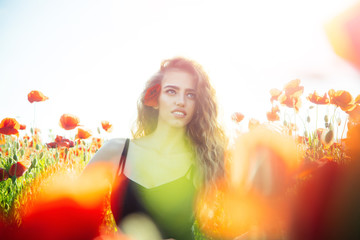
290,101
107,126
357,99
293,88
19,168
3,174
36,96
315,98
152,95
291,95
342,99
275,93
37,131
22,126
69,121
83,134
237,117
273,115
9,126
61,142
51,145
64,142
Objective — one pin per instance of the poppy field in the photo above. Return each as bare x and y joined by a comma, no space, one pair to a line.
36,175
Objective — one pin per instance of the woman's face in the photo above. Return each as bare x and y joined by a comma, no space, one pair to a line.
177,98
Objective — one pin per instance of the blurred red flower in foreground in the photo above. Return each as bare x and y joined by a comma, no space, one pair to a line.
311,208
69,121
352,141
66,208
83,134
344,34
315,98
9,126
253,123
36,96
107,126
261,167
237,117
22,127
354,114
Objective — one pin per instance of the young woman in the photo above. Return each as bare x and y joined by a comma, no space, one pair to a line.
177,148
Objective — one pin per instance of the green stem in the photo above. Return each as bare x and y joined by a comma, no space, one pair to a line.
34,116
316,117
332,119
343,130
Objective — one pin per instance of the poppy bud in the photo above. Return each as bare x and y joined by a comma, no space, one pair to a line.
326,118
308,119
285,123
338,121
327,138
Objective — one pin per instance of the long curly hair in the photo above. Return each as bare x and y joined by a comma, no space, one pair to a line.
206,136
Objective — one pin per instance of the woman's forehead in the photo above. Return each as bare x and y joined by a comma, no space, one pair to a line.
179,78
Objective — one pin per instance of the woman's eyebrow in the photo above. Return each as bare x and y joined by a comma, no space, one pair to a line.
172,86
177,88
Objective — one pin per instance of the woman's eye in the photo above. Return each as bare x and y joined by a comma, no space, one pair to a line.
191,95
170,91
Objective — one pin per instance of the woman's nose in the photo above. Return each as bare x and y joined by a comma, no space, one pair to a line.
180,101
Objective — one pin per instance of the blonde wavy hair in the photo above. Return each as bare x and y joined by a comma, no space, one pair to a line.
207,137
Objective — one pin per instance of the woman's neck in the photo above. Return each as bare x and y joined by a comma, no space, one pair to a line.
166,139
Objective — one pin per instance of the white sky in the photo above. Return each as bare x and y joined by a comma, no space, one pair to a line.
92,58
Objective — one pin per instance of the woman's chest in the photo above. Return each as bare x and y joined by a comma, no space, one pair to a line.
151,169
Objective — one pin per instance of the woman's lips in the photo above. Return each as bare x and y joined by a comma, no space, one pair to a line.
179,113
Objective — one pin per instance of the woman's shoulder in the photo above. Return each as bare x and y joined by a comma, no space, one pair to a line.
110,151
114,144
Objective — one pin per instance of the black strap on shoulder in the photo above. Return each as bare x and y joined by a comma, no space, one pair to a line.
123,156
